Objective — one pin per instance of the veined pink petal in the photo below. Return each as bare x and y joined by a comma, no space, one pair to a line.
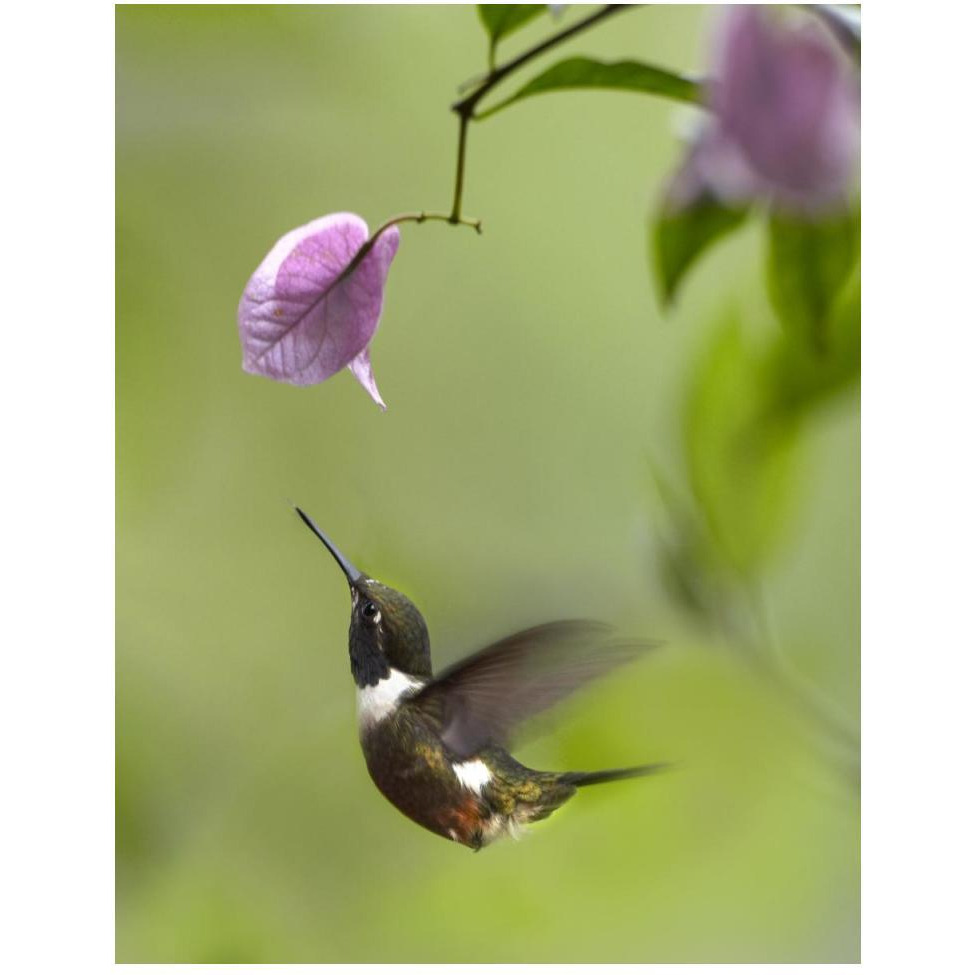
361,367
300,320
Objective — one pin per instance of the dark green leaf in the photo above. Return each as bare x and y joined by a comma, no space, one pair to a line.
501,19
799,378
680,235
809,262
742,469
577,73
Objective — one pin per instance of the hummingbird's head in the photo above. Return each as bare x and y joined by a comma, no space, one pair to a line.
386,631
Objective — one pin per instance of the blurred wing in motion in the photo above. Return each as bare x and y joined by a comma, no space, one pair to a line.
481,699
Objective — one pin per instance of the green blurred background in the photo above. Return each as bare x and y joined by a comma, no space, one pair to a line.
533,382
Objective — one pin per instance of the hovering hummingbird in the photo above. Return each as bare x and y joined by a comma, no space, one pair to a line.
436,746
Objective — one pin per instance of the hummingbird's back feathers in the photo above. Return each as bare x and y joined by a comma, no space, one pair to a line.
481,699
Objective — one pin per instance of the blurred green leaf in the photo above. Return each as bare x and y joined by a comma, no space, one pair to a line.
502,19
678,237
809,261
684,558
576,73
798,379
741,468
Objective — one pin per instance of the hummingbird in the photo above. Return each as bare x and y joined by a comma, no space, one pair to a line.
436,746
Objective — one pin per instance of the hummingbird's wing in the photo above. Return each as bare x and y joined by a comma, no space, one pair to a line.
482,698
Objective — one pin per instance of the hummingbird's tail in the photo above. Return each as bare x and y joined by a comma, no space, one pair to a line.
612,774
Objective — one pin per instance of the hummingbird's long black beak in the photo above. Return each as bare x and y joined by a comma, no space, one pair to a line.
351,572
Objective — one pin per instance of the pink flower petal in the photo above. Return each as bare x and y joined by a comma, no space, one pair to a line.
300,321
787,99
786,123
712,167
361,367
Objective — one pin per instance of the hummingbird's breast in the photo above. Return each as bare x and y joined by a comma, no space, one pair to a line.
408,763
471,801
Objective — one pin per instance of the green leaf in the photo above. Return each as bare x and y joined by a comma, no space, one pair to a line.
576,73
799,379
502,19
679,236
741,468
684,557
809,262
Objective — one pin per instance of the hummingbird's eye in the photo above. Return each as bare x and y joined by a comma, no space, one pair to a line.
370,612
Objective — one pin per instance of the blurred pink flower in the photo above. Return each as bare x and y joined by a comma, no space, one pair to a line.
786,116
302,318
